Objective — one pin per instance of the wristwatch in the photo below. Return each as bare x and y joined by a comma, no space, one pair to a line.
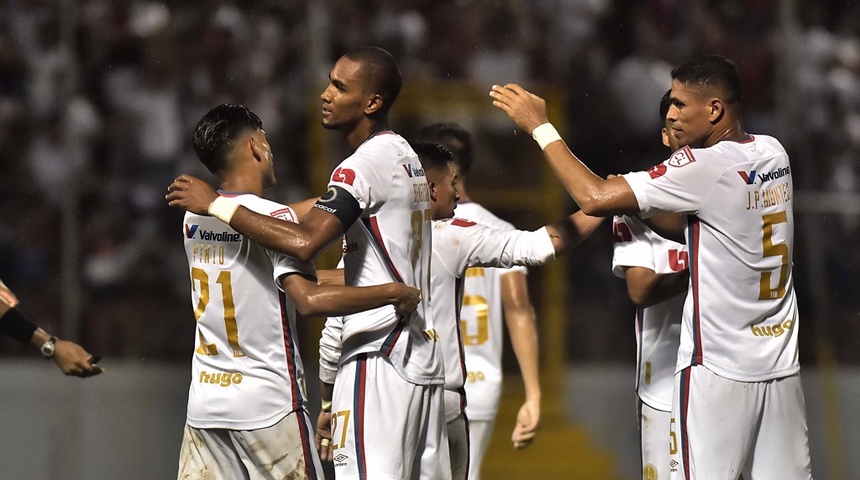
48,347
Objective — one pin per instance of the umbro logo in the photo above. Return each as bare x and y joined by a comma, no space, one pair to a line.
340,458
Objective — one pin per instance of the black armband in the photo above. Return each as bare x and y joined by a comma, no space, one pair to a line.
17,326
341,204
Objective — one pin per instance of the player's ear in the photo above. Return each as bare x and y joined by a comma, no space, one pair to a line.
717,110
432,187
256,147
374,103
666,138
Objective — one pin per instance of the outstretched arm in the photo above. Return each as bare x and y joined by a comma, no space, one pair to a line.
522,327
596,196
70,357
571,230
300,240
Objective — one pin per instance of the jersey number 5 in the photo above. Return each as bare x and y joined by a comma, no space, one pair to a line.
770,249
200,278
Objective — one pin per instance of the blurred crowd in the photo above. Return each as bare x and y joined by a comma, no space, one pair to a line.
98,99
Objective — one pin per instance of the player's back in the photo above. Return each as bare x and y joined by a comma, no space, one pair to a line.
742,308
246,370
391,241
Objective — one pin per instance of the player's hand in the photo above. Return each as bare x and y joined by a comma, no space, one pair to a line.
191,193
528,421
324,429
74,360
406,299
7,299
525,108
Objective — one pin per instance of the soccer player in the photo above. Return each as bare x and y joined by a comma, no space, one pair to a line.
391,377
70,357
247,408
487,293
656,272
738,405
457,244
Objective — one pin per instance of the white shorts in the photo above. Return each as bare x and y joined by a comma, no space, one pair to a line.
385,428
284,450
480,433
458,447
654,441
725,428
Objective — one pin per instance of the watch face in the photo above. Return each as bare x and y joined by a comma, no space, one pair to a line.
48,348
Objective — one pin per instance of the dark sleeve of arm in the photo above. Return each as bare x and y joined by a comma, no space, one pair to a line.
17,326
341,204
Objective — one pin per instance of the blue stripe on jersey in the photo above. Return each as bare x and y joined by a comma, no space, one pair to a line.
307,449
684,396
358,409
693,239
388,345
290,350
372,227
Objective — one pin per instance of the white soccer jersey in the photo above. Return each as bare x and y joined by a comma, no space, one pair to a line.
658,327
391,241
457,244
481,324
740,316
246,368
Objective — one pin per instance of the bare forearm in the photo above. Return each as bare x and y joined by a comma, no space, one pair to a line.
570,231
522,326
336,300
646,288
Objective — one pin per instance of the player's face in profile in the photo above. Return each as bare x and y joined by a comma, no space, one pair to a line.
446,194
344,98
688,116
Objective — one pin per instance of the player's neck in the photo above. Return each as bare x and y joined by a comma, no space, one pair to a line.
238,182
731,130
363,131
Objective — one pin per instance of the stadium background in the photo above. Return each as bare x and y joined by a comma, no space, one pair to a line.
98,99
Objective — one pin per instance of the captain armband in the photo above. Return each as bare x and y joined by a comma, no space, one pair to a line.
17,326
341,204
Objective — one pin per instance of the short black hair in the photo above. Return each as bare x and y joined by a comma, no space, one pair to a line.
712,71
665,102
453,137
434,157
217,131
381,74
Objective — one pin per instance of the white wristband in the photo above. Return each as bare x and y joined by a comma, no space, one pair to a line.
545,134
223,209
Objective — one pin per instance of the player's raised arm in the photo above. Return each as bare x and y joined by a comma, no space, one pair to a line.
594,195
300,240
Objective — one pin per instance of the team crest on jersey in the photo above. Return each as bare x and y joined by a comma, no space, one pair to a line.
681,158
284,214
